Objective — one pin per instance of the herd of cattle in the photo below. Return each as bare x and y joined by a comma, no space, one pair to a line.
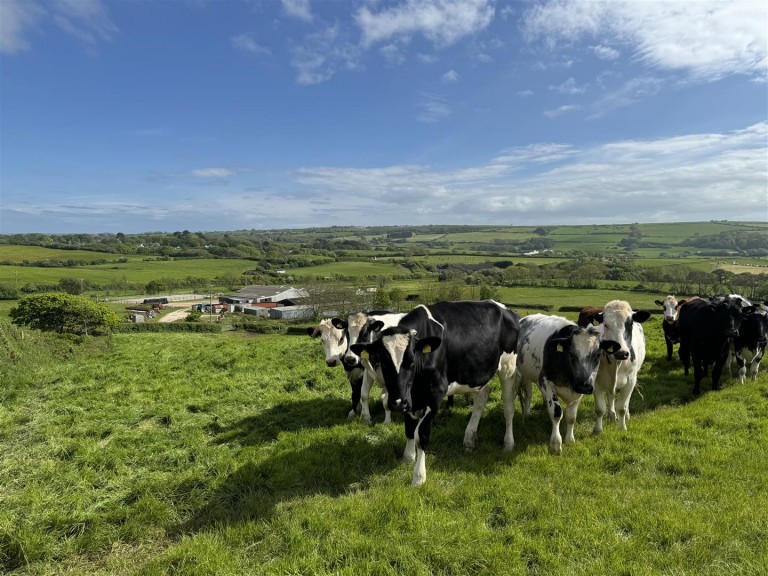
420,358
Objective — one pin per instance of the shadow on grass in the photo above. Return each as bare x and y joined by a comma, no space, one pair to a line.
280,418
343,459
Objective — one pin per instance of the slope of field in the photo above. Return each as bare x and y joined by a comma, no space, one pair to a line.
224,454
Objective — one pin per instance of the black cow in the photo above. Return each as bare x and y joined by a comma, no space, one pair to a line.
707,328
438,350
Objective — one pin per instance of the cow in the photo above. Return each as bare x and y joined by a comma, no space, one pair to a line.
437,351
334,343
749,346
707,330
365,326
671,307
562,358
617,374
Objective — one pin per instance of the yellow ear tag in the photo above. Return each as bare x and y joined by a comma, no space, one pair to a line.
364,354
427,349
559,347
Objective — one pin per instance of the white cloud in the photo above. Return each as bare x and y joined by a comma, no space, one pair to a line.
87,20
216,172
433,108
298,9
569,87
525,93
605,52
17,17
629,93
322,54
706,39
393,53
426,58
442,22
450,77
561,110
246,43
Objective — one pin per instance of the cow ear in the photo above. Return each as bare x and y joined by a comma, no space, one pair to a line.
428,344
359,349
313,332
659,303
561,344
680,304
377,326
339,324
641,316
747,310
598,318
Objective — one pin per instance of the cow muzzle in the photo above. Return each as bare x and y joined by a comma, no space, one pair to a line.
621,355
732,333
332,363
398,405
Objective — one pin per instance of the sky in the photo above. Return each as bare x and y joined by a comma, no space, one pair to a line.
211,115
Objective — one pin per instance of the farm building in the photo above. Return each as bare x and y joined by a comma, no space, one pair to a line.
286,295
291,312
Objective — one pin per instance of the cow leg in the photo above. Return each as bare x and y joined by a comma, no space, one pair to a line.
422,432
742,367
624,395
409,455
365,413
754,366
470,434
669,349
717,370
356,388
555,415
698,375
385,402
685,356
509,387
571,412
599,411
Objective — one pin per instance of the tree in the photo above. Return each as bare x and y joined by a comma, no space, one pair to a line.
489,292
64,313
155,287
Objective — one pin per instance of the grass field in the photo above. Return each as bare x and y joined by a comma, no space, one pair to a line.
223,454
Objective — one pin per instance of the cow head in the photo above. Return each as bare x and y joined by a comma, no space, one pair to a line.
729,313
617,319
572,356
397,356
333,339
670,305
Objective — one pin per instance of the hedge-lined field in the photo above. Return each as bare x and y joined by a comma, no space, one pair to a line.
231,454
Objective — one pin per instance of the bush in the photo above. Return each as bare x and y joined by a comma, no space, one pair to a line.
200,327
64,313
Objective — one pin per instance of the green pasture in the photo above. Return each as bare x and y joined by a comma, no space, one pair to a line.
20,253
223,454
355,269
135,270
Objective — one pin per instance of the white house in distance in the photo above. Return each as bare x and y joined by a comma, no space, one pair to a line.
275,295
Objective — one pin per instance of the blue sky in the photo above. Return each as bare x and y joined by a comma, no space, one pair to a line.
201,115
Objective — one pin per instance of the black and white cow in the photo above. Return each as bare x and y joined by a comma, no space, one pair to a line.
438,350
364,327
707,330
334,343
671,308
617,374
749,346
562,358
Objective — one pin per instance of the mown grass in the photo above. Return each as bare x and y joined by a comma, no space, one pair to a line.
226,454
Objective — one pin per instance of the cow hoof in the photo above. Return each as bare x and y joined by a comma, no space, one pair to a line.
418,480
556,450
611,416
596,431
351,414
366,420
388,419
509,447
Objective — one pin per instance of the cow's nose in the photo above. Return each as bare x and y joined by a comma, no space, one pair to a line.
349,359
621,355
732,333
669,319
331,363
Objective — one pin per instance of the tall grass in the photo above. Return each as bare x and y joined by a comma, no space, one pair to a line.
231,454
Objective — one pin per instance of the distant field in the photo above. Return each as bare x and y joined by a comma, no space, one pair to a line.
360,269
16,253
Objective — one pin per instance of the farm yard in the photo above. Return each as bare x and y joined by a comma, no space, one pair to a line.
232,454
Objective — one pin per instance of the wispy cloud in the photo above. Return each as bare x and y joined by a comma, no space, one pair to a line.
450,77
706,39
569,87
298,9
605,52
443,23
87,20
246,43
565,108
322,54
433,108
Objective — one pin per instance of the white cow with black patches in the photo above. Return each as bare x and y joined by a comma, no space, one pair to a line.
334,341
563,359
617,375
365,327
